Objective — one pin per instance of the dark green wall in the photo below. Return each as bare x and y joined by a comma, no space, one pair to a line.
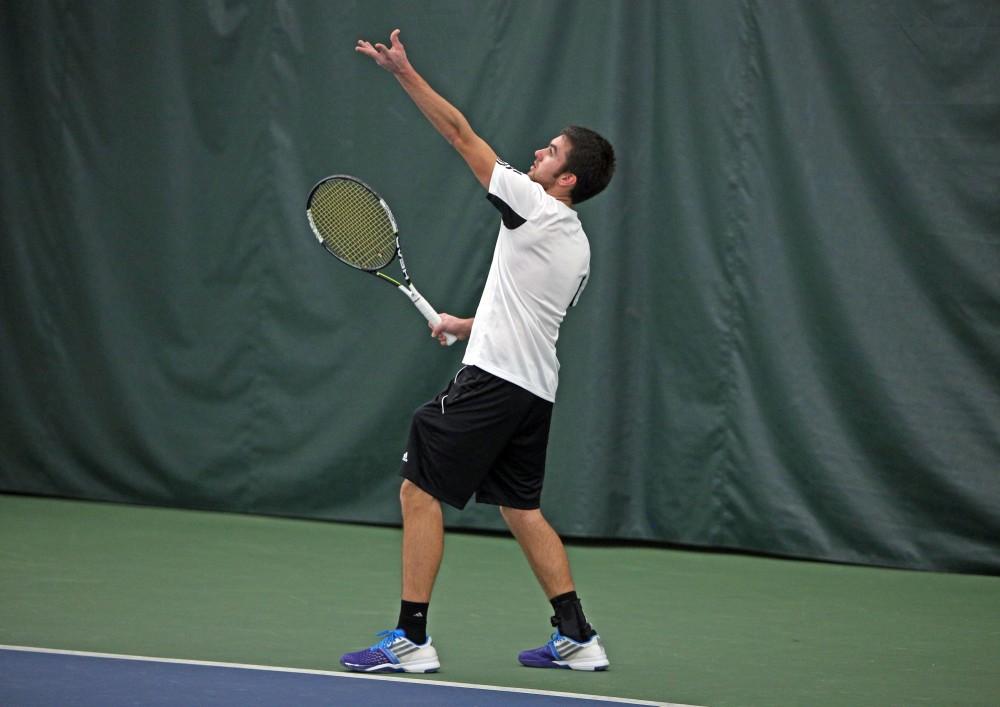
791,338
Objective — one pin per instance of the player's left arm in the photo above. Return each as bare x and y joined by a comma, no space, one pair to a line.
445,118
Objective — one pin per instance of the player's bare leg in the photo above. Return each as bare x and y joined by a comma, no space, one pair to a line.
407,648
542,547
423,541
575,645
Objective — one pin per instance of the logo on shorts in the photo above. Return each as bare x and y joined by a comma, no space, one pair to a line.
406,456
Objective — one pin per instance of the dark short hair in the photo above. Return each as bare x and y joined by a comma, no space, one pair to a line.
592,160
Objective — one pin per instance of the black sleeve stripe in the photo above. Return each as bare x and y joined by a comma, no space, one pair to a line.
576,297
509,217
507,166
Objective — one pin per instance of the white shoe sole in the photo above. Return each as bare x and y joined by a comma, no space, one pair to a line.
427,666
599,664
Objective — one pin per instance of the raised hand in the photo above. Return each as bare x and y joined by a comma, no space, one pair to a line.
392,58
445,118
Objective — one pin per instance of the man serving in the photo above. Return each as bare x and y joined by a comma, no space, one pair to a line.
486,433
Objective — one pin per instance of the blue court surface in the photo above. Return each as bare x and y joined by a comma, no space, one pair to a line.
34,677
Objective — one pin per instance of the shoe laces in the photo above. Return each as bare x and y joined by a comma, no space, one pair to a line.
388,638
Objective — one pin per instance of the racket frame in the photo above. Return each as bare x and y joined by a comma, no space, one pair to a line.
407,289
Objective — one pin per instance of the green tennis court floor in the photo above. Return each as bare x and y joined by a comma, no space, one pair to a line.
687,627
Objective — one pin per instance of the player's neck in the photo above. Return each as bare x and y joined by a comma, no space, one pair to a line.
560,195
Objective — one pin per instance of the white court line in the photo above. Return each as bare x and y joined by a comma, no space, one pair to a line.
329,673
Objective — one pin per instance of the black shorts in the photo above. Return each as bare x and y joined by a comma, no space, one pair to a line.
481,435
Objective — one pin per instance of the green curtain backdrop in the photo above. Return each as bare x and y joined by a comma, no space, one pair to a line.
791,338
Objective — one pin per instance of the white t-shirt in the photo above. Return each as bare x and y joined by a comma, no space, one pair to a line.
540,267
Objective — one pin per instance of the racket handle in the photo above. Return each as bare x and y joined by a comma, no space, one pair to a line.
430,314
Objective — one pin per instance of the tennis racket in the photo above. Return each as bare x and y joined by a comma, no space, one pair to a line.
356,226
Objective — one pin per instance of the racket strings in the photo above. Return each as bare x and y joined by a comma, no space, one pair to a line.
353,224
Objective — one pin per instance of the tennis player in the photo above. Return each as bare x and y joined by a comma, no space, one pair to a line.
486,433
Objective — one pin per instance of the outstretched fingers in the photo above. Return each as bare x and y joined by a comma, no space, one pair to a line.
392,57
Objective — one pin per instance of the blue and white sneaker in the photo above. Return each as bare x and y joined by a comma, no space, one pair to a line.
395,653
563,652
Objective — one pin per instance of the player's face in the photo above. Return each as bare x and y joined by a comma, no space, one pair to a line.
550,161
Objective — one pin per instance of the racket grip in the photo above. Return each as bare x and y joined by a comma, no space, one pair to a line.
430,314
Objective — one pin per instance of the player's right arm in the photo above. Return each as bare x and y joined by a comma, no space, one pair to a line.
445,118
460,328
